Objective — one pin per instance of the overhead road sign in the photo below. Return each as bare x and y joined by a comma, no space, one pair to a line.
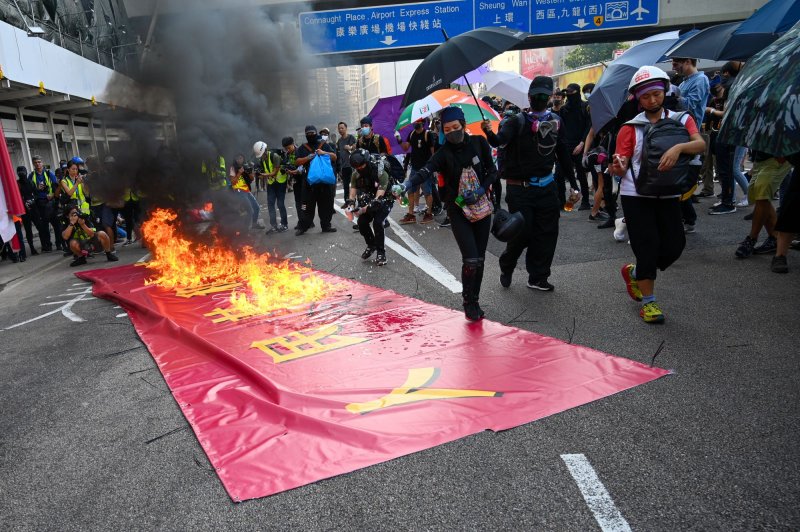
411,25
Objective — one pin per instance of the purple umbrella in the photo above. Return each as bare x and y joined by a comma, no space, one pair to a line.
474,76
385,115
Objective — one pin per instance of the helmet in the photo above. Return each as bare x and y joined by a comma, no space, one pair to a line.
647,74
359,157
259,148
507,226
77,160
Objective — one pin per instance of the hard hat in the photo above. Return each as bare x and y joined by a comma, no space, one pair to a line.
359,157
77,160
507,226
648,74
259,148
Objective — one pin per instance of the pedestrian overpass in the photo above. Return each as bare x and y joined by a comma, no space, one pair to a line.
594,20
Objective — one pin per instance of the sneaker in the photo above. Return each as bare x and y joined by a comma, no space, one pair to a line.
704,194
770,245
722,209
598,217
380,260
746,248
445,222
779,264
282,228
386,223
299,232
689,229
542,285
743,203
630,282
110,257
505,279
651,313
328,229
78,262
427,218
620,230
408,219
367,253
608,224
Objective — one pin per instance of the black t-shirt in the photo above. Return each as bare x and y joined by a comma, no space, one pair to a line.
421,144
303,151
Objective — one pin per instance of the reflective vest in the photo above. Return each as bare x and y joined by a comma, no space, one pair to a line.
241,184
130,195
219,179
268,169
78,195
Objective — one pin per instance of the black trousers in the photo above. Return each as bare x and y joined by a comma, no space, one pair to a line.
471,237
317,198
572,165
540,207
370,225
29,221
724,154
346,174
655,227
45,212
687,208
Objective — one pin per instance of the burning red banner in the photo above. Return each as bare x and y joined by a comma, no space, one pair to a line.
359,378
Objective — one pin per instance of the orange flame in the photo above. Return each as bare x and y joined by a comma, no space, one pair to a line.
270,284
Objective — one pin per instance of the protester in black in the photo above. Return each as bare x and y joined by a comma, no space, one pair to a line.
370,189
531,141
575,122
319,196
344,147
456,160
30,217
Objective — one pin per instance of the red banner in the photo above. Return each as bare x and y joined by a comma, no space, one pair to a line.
536,62
363,377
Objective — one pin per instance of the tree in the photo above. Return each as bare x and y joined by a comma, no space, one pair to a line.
587,54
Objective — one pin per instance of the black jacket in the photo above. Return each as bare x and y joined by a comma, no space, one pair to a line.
575,121
451,159
522,159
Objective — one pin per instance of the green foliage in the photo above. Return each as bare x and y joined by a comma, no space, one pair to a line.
587,54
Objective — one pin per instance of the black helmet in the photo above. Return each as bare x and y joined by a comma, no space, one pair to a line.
359,157
507,226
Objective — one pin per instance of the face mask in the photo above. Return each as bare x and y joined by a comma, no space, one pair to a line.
587,94
324,138
574,97
455,137
365,130
311,138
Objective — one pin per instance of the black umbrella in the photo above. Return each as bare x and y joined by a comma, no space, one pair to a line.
708,43
457,56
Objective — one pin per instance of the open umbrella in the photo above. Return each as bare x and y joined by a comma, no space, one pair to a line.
384,115
457,56
611,89
437,101
474,76
709,43
763,111
768,23
509,86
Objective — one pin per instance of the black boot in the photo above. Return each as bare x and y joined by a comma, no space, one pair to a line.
471,277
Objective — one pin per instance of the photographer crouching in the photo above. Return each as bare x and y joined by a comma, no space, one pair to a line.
83,238
369,186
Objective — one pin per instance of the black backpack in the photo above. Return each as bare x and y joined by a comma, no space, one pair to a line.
656,140
392,166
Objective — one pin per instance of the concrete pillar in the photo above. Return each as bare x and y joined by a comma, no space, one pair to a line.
105,137
94,138
52,125
26,150
75,145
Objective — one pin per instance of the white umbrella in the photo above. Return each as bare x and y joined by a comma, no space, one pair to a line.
509,86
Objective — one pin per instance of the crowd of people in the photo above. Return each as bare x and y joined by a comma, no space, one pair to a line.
656,160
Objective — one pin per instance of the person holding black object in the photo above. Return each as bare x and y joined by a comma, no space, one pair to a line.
531,141
467,171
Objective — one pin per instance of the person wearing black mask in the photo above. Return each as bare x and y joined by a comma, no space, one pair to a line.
531,141
318,196
576,123
28,193
467,170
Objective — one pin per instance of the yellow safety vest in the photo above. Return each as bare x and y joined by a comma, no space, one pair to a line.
241,184
220,180
78,195
130,195
268,168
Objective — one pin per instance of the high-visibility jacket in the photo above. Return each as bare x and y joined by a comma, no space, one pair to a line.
78,195
269,167
216,179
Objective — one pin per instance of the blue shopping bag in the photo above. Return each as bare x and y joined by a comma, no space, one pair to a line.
321,171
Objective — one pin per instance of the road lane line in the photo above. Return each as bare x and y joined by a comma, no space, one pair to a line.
143,259
595,494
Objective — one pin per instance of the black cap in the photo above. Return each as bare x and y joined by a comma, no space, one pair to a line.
574,87
541,85
309,129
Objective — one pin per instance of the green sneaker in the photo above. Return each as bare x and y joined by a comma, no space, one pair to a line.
651,313
630,282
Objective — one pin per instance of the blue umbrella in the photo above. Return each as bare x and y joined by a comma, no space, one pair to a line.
771,21
611,89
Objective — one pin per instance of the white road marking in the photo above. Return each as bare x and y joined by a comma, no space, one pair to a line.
65,309
145,258
418,256
595,494
123,314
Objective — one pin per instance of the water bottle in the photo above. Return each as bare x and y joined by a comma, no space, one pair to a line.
460,201
399,191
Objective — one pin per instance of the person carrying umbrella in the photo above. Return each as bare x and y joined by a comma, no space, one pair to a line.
531,140
467,171
655,223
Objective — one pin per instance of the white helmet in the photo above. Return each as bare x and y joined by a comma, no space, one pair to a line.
647,74
259,148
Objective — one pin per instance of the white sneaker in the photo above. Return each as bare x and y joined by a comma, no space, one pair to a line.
743,203
620,230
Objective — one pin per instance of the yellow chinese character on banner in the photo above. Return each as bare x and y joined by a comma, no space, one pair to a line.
303,344
205,290
413,390
229,314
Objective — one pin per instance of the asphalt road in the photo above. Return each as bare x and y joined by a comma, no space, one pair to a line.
91,438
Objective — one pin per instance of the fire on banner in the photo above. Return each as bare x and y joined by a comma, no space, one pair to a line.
362,377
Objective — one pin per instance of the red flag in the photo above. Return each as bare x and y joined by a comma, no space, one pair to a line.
8,179
360,378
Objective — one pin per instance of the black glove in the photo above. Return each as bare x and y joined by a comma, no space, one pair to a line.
375,205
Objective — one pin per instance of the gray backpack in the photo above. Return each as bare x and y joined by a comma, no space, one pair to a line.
656,140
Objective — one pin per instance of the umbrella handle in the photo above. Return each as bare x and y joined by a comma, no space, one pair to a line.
483,116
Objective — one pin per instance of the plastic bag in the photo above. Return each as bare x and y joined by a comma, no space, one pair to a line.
320,172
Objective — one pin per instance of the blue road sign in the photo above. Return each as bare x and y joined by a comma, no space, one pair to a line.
421,24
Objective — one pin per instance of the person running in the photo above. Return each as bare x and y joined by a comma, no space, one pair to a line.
467,171
369,188
654,223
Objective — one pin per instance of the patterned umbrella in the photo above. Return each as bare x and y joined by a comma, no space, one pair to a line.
763,110
440,99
